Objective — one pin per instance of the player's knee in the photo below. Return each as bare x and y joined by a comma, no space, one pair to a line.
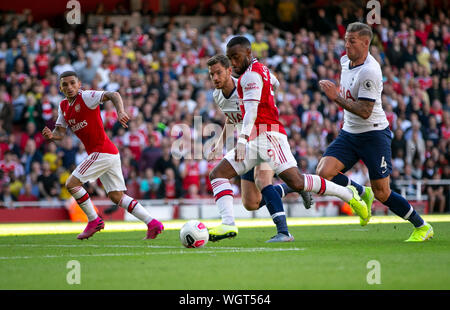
72,182
294,179
115,196
261,183
250,204
325,172
68,184
381,194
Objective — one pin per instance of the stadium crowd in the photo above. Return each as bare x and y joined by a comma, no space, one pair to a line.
160,71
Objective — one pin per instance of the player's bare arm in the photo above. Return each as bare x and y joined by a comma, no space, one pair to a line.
57,134
116,99
251,111
362,108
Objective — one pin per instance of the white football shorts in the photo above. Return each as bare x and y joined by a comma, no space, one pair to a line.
103,166
271,147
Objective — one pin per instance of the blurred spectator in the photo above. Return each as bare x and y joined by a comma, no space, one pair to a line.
436,195
134,139
18,100
81,154
6,198
31,133
88,72
15,185
48,183
64,174
360,174
164,161
192,192
170,187
411,188
6,112
259,46
150,155
51,156
62,66
417,169
30,155
11,163
429,169
415,147
26,193
68,152
398,143
190,173
149,184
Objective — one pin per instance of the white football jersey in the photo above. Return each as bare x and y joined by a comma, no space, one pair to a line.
230,105
363,82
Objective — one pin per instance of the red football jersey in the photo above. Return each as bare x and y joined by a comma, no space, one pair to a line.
267,118
82,116
192,175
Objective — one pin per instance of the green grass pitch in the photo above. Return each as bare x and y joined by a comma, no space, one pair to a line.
326,254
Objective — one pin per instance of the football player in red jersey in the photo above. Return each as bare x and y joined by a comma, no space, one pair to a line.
81,112
263,139
226,97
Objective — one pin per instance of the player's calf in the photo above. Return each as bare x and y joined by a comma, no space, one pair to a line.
276,210
293,178
84,201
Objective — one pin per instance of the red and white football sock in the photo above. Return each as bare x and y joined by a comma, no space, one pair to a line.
84,201
223,193
316,184
135,208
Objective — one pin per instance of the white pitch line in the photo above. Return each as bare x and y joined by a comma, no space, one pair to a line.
89,246
115,246
181,251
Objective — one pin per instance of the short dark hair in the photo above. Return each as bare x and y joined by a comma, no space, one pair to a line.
222,59
361,28
68,73
239,40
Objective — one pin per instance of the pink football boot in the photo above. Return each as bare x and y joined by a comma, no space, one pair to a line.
91,228
155,227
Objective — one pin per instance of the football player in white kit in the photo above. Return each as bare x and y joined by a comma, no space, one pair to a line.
365,134
226,97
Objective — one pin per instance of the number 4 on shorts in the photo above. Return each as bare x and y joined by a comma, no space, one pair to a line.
383,165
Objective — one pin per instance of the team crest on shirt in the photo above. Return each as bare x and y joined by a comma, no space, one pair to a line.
77,108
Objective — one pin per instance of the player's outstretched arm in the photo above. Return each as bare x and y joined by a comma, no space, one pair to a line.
362,108
116,99
57,134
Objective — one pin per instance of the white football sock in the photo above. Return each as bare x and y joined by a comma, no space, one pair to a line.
318,185
135,208
84,201
223,193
